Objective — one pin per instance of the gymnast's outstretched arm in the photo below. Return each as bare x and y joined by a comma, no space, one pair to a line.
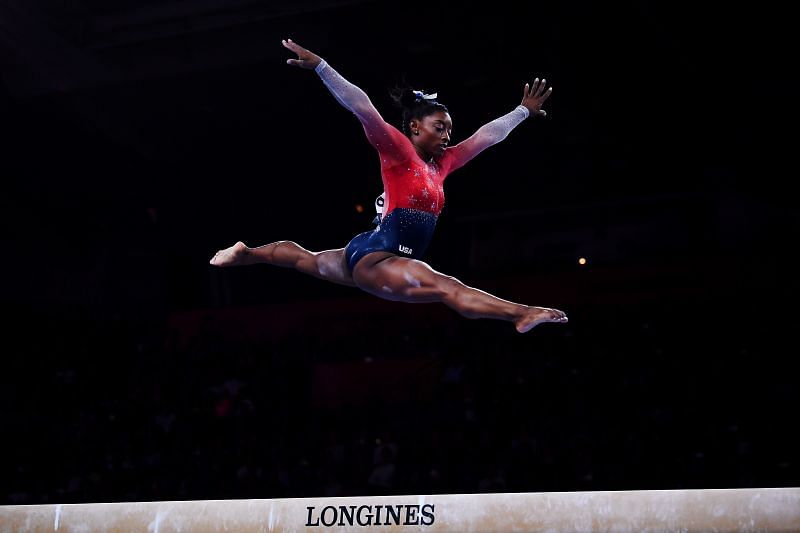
498,129
381,135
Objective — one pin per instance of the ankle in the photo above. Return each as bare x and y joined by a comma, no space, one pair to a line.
520,312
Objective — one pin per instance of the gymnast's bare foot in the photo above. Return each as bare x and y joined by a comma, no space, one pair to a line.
236,255
537,315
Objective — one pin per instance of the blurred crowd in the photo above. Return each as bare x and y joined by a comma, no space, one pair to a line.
629,397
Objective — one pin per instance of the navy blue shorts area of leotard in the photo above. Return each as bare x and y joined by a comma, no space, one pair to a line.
404,232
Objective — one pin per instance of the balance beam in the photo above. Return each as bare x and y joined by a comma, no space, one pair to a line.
771,509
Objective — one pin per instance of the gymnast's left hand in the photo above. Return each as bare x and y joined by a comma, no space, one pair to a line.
305,58
534,96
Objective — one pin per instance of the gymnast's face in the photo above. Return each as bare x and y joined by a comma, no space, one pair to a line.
431,134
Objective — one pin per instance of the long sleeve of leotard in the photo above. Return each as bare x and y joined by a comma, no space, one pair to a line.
490,133
384,137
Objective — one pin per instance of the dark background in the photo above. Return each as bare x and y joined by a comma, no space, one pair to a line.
140,137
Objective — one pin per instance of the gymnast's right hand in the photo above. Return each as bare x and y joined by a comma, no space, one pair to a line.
305,59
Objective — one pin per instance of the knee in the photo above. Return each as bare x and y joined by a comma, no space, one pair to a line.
322,265
449,283
452,287
440,288
327,264
459,294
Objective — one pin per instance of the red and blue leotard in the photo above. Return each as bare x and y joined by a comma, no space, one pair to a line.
414,189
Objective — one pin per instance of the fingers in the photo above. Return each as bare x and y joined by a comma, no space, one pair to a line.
301,52
546,94
538,89
534,88
534,95
291,45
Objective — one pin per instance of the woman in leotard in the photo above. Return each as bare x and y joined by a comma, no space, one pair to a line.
386,262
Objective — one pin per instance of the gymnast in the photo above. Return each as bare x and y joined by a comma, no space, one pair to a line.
386,262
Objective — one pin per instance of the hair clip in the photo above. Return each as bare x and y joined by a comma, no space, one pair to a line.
422,96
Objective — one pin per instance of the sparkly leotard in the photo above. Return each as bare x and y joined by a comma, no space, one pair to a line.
413,188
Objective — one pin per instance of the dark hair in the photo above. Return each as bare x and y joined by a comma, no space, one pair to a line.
415,105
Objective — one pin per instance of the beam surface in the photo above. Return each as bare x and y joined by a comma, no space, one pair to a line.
770,509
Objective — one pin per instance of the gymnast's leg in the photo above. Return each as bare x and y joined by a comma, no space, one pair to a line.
329,265
408,280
